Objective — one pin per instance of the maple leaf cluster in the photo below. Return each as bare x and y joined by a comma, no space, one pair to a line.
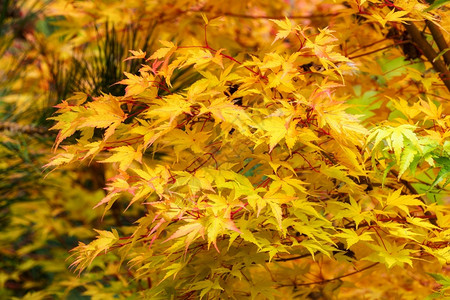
321,153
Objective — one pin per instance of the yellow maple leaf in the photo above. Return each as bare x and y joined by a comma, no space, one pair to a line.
286,28
124,155
275,128
402,201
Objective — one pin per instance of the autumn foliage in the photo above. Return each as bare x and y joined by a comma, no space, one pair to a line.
264,150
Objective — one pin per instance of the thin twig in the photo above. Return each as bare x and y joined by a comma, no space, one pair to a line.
332,279
294,257
244,16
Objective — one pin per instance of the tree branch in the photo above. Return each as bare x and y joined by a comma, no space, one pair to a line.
429,53
440,41
27,129
280,17
294,257
332,279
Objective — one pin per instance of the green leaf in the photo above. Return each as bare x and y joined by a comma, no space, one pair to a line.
386,172
440,54
406,159
444,163
397,143
173,269
441,279
205,286
436,4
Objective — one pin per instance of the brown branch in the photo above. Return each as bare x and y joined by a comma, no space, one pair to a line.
294,257
371,52
380,49
409,186
440,41
438,65
332,279
27,129
367,46
244,16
